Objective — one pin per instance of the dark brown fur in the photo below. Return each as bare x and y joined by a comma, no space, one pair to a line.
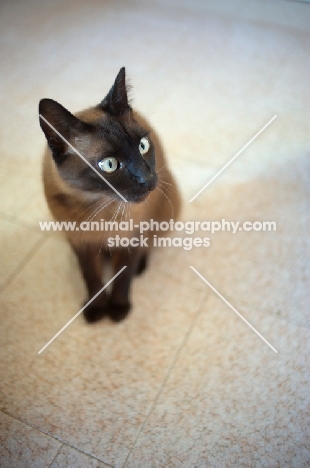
75,193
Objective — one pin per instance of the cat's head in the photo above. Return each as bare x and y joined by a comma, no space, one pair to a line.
109,139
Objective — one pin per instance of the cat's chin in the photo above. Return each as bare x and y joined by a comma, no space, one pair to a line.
138,198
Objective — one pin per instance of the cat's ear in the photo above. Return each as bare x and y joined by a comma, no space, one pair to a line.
116,101
53,114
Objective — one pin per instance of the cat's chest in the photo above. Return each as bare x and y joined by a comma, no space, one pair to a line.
98,222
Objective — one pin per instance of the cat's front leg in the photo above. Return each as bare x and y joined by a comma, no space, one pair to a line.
119,301
90,262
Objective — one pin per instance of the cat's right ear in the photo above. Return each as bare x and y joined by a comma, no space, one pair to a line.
116,101
58,125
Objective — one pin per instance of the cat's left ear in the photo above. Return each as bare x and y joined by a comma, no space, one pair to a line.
116,101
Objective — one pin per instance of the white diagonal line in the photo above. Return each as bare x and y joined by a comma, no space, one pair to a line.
232,308
84,159
76,315
233,158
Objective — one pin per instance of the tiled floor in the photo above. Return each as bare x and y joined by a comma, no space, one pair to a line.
183,382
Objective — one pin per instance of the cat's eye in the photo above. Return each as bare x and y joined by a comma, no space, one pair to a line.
144,145
108,164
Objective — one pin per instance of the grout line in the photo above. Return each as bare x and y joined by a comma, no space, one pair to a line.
62,442
23,206
168,373
56,455
29,225
23,263
7,217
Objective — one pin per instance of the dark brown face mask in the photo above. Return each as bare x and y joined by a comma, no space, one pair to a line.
113,143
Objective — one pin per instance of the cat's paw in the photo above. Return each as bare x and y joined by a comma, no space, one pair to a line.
97,308
142,264
94,313
117,313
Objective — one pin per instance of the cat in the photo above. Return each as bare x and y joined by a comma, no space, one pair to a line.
119,143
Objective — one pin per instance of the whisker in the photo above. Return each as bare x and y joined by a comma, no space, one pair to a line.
100,208
88,208
114,198
124,208
169,190
104,205
168,186
172,210
100,249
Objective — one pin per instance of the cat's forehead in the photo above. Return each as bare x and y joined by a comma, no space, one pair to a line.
91,115
121,130
113,128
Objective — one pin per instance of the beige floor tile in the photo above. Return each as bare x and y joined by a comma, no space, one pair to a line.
21,147
68,457
269,270
23,446
18,188
93,386
36,211
228,99
230,400
87,77
16,244
49,35
292,84
280,153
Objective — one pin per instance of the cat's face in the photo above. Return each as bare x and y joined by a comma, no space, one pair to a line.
109,138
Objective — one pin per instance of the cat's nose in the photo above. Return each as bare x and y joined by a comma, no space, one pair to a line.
144,177
149,182
145,180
